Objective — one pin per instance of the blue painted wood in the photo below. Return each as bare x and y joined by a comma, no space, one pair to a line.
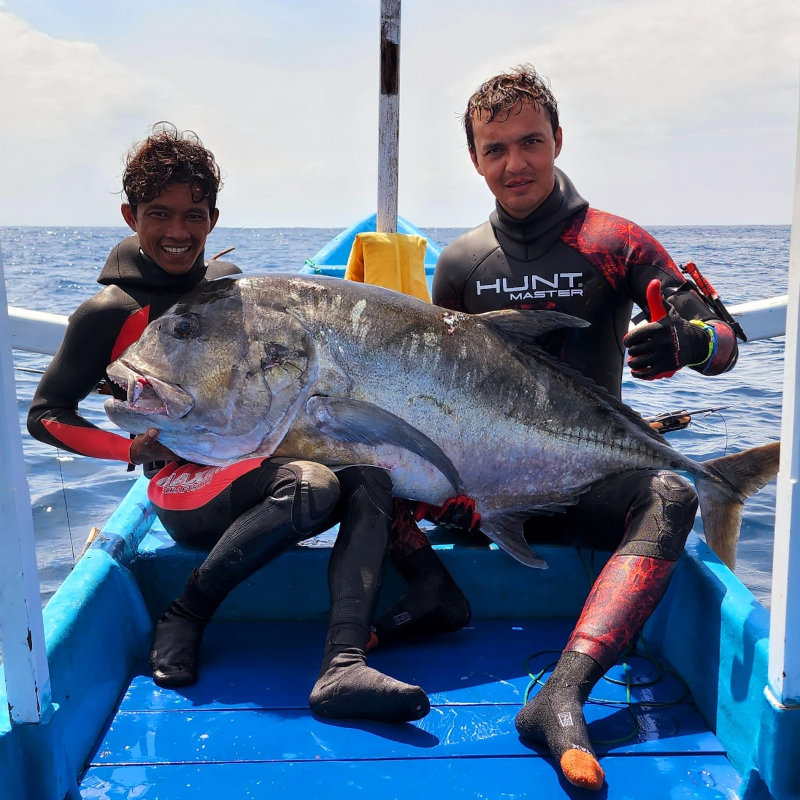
274,665
497,585
449,731
645,778
332,258
91,653
246,727
722,655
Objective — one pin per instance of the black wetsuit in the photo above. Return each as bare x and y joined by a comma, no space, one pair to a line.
136,291
245,514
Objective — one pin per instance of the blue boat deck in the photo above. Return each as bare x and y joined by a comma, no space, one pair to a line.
245,730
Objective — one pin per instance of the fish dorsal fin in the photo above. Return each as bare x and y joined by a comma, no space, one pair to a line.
507,533
357,421
522,330
527,326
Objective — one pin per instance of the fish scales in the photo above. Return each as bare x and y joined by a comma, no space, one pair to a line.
449,403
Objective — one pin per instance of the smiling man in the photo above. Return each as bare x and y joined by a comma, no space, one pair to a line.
170,184
172,228
247,513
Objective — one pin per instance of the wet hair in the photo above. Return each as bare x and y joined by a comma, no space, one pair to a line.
505,94
169,156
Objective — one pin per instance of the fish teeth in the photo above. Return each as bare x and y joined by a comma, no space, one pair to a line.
135,389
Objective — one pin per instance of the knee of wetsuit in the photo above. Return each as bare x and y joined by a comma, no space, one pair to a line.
316,493
662,514
374,483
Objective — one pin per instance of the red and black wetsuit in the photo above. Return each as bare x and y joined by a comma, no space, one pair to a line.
198,505
571,258
575,259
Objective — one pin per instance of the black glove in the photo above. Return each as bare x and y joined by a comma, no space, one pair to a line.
660,348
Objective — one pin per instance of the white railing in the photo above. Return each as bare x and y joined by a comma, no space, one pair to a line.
41,332
21,627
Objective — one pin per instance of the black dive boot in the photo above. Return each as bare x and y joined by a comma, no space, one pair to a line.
177,636
433,603
554,717
346,687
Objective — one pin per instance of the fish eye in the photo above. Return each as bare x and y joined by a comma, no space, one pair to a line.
184,327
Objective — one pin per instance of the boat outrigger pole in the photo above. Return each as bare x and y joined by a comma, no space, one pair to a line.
383,256
784,633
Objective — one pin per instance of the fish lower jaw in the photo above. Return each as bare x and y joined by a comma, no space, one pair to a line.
147,411
144,410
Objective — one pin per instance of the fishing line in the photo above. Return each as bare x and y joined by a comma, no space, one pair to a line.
66,506
709,413
32,370
718,411
725,425
670,421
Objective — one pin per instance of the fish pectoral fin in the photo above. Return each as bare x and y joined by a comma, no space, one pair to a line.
527,326
359,422
507,533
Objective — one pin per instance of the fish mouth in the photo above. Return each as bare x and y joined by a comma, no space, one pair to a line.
147,395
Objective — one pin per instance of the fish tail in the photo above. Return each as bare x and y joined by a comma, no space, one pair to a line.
722,492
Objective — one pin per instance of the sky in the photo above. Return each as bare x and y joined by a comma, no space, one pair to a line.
674,112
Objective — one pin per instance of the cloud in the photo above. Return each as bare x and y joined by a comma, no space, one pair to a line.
673,110
289,133
73,115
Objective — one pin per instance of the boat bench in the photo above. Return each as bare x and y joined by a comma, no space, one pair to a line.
295,586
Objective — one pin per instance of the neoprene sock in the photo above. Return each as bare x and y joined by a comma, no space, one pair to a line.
433,603
554,717
178,634
346,687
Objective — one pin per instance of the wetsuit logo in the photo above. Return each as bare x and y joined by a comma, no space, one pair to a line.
536,287
187,480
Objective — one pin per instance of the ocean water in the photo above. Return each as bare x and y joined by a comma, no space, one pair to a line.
54,269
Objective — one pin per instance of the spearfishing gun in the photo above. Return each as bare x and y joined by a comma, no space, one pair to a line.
711,297
669,421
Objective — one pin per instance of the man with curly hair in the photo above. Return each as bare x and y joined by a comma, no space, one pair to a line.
544,247
245,514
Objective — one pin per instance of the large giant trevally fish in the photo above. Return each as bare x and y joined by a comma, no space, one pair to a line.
342,373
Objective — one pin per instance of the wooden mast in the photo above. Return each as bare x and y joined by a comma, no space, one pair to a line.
388,117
